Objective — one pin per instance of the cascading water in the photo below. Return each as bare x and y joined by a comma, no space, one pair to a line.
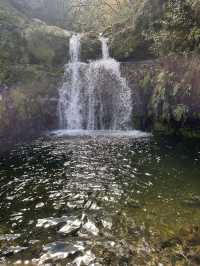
69,103
109,95
94,96
105,50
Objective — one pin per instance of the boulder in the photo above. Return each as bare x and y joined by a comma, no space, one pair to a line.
90,47
48,45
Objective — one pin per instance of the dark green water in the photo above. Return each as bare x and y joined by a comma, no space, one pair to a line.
95,200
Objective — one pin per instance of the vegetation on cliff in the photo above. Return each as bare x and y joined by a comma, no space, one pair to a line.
167,94
137,29
33,53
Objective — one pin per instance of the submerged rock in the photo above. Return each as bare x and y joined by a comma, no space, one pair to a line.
194,255
190,235
132,203
91,205
86,259
193,201
39,205
12,250
51,222
9,237
91,228
59,251
72,226
107,223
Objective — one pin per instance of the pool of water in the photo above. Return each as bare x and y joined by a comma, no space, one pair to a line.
107,198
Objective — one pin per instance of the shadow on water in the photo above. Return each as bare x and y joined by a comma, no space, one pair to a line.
104,198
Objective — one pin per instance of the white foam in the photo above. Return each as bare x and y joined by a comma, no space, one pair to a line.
103,133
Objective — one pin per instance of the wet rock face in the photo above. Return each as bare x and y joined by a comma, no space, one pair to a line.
47,45
131,37
30,106
128,44
32,56
90,47
165,95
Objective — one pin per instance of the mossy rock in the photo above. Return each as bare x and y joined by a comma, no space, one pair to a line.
129,44
3,116
12,43
146,82
32,57
90,47
180,113
162,128
48,45
190,132
31,104
10,16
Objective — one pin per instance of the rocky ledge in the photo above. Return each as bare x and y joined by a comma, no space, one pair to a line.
166,94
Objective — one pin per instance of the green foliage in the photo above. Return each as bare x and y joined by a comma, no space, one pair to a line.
179,30
129,43
53,12
180,113
31,83
90,47
145,83
10,16
4,122
12,45
19,99
137,29
47,44
130,36
24,42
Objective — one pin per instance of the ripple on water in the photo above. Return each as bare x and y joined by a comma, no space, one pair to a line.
94,198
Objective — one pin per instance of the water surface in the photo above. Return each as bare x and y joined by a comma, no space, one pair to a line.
96,199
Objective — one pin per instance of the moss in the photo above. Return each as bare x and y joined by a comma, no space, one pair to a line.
146,82
162,128
30,107
158,96
194,38
10,16
42,54
180,113
12,43
47,45
159,106
11,48
3,116
190,133
19,103
90,47
129,44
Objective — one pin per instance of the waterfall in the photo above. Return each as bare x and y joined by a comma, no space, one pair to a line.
104,45
109,95
69,103
94,96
